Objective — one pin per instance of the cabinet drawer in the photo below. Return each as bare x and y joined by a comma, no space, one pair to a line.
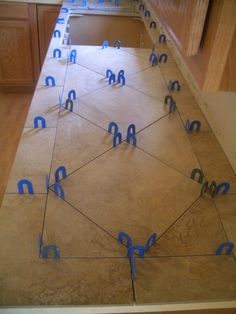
13,10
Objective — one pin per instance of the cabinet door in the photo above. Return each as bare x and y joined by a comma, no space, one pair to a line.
19,59
47,15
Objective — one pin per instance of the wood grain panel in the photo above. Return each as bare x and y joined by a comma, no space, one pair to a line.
183,20
11,10
47,15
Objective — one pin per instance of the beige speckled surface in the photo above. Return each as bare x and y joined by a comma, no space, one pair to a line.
139,190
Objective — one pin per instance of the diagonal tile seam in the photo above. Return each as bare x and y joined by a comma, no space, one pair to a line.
133,54
138,90
218,213
58,117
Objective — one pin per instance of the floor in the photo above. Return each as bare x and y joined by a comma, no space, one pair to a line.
140,190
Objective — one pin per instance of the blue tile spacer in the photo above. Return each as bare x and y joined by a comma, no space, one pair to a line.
195,125
113,125
60,173
196,172
117,137
121,79
154,61
124,237
57,53
121,72
46,249
172,106
57,33
153,24
84,3
108,73
50,81
72,94
131,137
117,44
187,125
64,10
58,190
163,57
229,246
147,13
139,249
152,57
141,7
69,105
39,119
150,242
131,129
117,3
105,44
222,188
162,38
60,21
112,78
168,99
24,182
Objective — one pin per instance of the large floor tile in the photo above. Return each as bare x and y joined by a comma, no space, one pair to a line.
53,67
226,206
75,235
127,190
198,232
114,59
150,82
21,220
33,159
66,282
121,104
181,279
212,159
45,104
167,140
78,142
82,80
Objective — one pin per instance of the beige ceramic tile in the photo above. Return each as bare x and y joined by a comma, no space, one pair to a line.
189,109
127,190
226,206
75,235
66,282
33,159
150,82
198,232
121,104
44,103
114,59
172,72
78,142
212,159
139,52
21,220
168,141
53,67
82,80
181,279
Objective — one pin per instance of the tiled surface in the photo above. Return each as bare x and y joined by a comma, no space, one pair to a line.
181,279
139,190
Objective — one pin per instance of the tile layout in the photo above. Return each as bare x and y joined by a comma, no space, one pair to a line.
139,190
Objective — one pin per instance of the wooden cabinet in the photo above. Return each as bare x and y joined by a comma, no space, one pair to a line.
19,56
47,15
25,33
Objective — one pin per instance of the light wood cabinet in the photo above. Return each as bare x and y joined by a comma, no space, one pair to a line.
25,33
47,15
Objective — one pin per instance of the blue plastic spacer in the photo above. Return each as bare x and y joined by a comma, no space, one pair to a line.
153,24
176,84
117,137
229,246
50,81
72,94
117,44
60,172
124,236
133,268
57,53
121,78
172,106
117,3
168,99
162,38
131,137
58,190
152,57
141,7
195,126
84,3
151,241
225,186
121,72
64,10
163,57
60,21
39,119
57,33
108,73
112,78
131,129
113,125
147,13
69,105
105,44
197,172
46,249
136,248
154,61
187,125
24,182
